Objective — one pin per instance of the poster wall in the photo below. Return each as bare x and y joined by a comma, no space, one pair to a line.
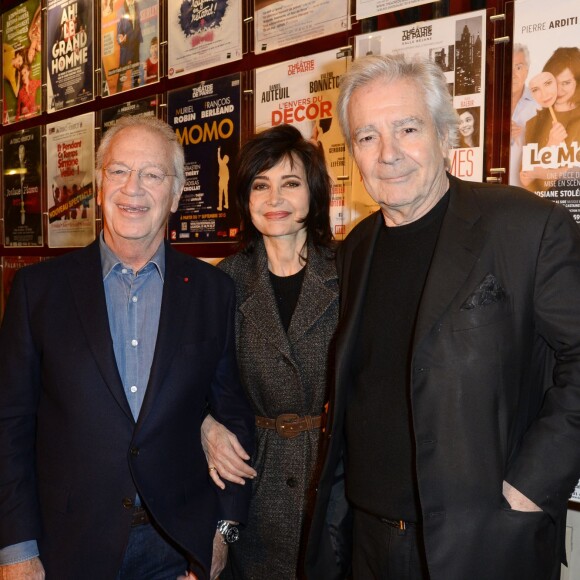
456,44
21,187
70,153
22,62
129,44
545,128
202,34
368,8
206,119
140,108
303,92
69,63
280,23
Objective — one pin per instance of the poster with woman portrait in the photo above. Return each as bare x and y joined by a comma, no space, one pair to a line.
545,129
69,63
303,92
206,118
457,45
202,34
70,158
22,187
129,44
21,62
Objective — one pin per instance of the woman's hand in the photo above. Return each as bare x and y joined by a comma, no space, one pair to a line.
557,134
225,456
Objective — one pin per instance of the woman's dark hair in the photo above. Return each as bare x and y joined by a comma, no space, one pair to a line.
264,151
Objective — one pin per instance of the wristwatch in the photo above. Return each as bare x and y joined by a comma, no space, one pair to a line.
229,531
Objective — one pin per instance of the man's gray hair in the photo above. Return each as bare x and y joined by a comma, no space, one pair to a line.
153,125
524,50
425,73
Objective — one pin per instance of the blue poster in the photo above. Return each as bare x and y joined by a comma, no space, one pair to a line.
206,119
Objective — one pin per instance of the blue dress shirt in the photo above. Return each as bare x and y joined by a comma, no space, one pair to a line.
133,307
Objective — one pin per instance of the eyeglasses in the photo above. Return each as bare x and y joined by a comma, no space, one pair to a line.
148,176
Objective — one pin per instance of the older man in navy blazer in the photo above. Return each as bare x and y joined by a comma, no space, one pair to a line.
110,357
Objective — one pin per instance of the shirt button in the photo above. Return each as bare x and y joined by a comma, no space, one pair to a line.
134,299
133,389
134,451
291,482
134,342
127,503
124,271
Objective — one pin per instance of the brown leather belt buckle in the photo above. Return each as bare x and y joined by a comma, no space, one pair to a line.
288,425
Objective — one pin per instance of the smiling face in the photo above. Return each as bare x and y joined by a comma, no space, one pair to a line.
566,84
280,199
544,89
135,215
466,124
397,149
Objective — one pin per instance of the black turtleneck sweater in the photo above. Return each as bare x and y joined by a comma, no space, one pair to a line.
380,469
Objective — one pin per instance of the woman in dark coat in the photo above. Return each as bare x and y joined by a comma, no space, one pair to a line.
287,295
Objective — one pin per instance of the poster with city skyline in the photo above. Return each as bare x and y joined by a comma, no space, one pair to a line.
457,45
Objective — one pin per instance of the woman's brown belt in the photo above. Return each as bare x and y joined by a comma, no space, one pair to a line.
291,425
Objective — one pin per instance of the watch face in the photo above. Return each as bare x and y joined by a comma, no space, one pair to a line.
232,535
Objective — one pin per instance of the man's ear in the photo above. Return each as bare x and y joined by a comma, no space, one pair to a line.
175,202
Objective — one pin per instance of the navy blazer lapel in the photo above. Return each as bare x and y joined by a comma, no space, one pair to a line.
89,298
175,300
459,245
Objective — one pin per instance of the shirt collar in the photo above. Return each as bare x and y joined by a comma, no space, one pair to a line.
109,259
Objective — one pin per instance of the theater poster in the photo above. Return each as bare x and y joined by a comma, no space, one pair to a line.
457,45
69,61
545,138
11,265
368,8
303,92
141,108
129,44
202,34
280,23
206,119
70,191
22,62
22,186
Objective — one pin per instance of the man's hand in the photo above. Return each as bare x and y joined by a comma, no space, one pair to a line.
225,456
28,570
517,500
220,556
218,560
